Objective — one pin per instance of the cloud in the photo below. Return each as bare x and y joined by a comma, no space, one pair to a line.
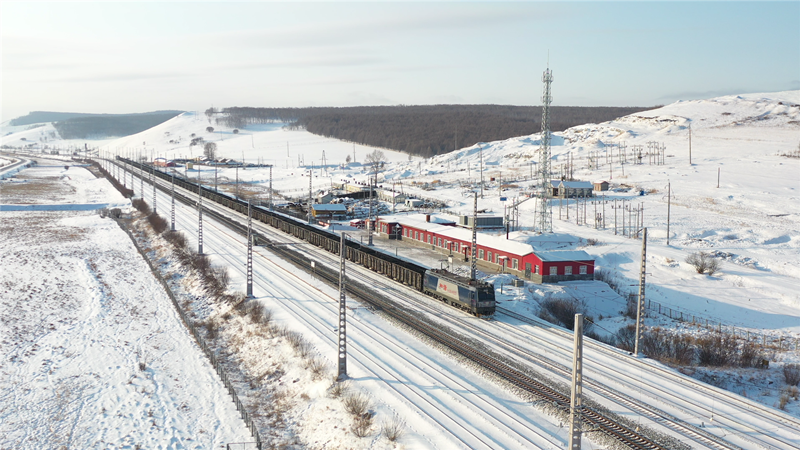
341,61
379,23
113,77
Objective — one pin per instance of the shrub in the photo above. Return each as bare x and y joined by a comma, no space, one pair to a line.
562,312
259,313
158,223
363,425
141,206
210,129
393,429
717,350
703,263
235,131
625,338
791,374
177,239
356,403
339,388
317,367
749,356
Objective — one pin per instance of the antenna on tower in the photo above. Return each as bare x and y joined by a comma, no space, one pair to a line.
545,219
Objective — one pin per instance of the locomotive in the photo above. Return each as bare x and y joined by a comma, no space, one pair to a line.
474,296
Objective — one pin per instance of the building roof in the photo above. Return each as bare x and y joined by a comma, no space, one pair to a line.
462,234
564,256
329,207
576,184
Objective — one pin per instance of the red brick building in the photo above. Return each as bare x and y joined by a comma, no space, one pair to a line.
494,253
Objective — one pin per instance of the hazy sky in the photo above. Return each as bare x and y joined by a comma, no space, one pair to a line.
145,56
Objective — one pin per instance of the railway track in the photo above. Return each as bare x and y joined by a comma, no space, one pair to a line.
451,341
518,429
454,343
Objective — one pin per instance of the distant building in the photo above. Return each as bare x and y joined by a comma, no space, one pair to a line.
328,211
571,189
484,221
601,186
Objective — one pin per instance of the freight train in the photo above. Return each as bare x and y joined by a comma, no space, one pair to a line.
474,296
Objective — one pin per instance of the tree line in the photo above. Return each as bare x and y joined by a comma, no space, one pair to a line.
424,130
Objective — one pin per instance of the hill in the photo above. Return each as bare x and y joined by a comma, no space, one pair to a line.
423,130
85,126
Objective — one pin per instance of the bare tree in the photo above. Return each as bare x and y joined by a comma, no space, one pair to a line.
210,112
210,150
348,159
375,161
703,263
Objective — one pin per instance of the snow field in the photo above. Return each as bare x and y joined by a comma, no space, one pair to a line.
93,354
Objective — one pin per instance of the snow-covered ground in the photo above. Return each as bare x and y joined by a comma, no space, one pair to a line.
93,354
751,220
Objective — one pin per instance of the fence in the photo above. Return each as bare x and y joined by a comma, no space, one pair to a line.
212,357
783,343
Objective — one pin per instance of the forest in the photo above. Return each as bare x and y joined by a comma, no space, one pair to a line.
423,130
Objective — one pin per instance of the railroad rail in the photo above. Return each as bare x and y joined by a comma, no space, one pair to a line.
382,263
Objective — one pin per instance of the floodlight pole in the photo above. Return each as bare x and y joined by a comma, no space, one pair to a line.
342,327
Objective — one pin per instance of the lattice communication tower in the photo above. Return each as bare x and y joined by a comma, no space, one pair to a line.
545,219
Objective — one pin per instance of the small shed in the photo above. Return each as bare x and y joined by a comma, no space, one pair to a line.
601,186
414,202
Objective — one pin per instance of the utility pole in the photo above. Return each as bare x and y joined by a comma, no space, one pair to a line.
249,251
237,182
153,179
310,199
690,143
172,212
480,154
669,204
640,305
474,260
342,347
270,187
576,399
369,219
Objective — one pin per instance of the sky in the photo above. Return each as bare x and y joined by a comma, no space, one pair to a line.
113,57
